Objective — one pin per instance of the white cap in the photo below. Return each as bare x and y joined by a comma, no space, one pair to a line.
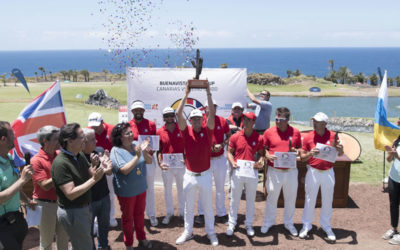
168,110
95,119
137,105
237,104
206,103
320,117
195,113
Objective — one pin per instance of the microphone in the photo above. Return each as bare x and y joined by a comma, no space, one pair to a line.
27,157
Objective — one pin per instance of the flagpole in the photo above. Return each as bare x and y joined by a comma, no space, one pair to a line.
384,162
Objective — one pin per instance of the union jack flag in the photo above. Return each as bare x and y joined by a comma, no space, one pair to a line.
46,109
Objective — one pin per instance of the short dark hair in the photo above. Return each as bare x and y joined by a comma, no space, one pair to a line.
116,133
283,111
4,128
68,131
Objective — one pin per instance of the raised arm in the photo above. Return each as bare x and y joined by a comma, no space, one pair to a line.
179,112
211,115
252,97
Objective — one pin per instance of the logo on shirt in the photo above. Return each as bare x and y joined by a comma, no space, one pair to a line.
178,135
145,130
328,142
254,143
218,127
201,134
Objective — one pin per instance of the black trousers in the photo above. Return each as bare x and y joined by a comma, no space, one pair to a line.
394,198
13,229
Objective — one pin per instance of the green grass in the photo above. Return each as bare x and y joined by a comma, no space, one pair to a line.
13,100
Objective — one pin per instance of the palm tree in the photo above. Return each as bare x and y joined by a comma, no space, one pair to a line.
344,74
373,79
36,76
51,76
74,76
360,77
43,73
3,78
331,64
297,72
390,81
397,79
289,73
105,74
70,73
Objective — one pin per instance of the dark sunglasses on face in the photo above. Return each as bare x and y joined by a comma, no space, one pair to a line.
280,119
169,115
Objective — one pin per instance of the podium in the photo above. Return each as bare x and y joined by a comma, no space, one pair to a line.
342,179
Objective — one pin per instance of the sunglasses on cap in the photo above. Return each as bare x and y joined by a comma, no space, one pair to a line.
280,119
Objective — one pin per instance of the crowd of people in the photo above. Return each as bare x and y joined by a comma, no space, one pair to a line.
78,172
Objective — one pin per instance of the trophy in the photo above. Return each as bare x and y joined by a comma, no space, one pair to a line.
195,82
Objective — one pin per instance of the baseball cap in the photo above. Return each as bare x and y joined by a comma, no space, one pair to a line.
237,104
250,115
320,117
206,103
95,119
195,113
168,110
137,105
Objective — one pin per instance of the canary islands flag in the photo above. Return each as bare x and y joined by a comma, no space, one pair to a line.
385,132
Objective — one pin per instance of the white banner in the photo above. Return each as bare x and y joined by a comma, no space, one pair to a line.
164,87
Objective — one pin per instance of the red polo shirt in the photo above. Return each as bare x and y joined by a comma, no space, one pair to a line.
104,139
220,129
41,164
310,140
246,147
171,143
197,148
145,127
278,141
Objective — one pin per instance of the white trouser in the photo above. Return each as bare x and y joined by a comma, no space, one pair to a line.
112,195
277,180
314,179
218,169
202,183
168,179
237,184
150,207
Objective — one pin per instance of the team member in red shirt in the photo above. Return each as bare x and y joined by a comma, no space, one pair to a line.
171,142
218,165
103,137
142,126
245,145
281,138
43,190
319,173
198,143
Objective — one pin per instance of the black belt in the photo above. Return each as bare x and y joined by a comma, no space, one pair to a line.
45,200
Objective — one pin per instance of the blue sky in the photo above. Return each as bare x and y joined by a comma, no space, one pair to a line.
73,24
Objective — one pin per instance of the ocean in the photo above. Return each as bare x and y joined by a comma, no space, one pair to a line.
310,61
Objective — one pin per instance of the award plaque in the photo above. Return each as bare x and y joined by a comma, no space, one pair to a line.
196,82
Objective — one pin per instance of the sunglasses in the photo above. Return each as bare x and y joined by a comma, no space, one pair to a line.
280,119
169,115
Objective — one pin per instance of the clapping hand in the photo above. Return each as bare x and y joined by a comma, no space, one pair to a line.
106,162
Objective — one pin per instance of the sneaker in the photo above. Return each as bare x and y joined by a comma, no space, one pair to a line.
303,233
230,230
291,229
113,222
389,234
153,221
146,244
167,219
199,219
250,231
183,238
213,239
222,219
395,240
265,229
330,234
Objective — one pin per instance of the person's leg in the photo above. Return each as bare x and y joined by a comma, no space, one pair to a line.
273,186
167,176
138,216
127,205
62,237
189,190
110,185
312,183
77,223
394,199
327,189
179,173
12,235
95,207
150,207
205,188
47,224
251,191
218,167
103,220
289,194
236,189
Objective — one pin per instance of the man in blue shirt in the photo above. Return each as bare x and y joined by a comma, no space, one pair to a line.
263,108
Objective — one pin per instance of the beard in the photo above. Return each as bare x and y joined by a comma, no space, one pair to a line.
138,117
